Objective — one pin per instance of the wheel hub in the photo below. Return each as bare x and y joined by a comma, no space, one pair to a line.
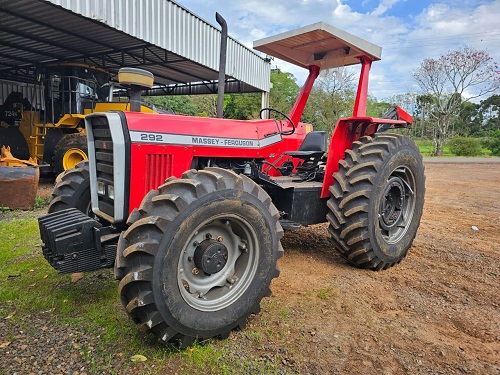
72,157
210,256
391,208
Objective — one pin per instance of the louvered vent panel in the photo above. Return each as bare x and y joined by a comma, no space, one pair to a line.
104,159
158,169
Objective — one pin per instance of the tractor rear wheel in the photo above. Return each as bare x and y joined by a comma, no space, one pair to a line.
73,190
69,151
199,255
377,200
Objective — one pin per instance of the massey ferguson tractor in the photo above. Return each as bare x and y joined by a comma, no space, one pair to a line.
190,211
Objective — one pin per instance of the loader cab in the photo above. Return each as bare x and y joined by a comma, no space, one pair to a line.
72,89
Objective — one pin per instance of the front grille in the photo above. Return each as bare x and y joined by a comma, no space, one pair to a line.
158,169
103,144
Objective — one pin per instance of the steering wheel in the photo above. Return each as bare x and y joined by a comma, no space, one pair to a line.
288,132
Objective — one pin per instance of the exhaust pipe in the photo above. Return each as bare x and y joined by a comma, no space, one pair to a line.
222,64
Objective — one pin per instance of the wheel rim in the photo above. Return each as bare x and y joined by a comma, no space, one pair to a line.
228,240
72,157
397,205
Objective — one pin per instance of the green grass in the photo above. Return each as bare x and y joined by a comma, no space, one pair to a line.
41,203
30,287
326,293
426,148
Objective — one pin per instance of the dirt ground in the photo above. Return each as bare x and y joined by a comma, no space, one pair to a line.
438,312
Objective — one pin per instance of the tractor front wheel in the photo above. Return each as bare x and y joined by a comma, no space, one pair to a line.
377,200
72,190
69,151
199,255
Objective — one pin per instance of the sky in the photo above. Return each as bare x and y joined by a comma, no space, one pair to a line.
408,31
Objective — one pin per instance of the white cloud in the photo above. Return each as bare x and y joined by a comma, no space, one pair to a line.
442,26
383,7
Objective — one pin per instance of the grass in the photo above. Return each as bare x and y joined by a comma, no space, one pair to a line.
41,203
326,293
30,287
426,147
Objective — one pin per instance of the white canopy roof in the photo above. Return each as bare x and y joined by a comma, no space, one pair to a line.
318,44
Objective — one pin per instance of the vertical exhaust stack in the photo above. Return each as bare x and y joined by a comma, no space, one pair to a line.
222,64
136,80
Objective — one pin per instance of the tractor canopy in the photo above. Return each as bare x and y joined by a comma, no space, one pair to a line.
318,44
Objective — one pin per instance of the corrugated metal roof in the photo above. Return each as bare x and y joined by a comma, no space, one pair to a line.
161,36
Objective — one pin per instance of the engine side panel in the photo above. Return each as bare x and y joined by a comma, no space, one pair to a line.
165,145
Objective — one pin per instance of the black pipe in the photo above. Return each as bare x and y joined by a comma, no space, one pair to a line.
135,98
222,64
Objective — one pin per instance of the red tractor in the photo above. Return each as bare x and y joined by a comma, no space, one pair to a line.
190,211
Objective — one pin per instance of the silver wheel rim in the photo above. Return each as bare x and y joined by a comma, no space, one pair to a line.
213,292
397,205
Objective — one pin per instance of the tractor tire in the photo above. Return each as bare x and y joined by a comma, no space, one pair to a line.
377,200
199,256
73,190
69,151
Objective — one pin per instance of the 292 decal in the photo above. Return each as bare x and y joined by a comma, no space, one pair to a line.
151,137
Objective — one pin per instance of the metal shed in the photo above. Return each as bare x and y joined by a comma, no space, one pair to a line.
178,47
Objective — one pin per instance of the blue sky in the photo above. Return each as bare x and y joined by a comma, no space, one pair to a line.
407,30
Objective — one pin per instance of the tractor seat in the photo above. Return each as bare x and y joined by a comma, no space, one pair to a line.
313,146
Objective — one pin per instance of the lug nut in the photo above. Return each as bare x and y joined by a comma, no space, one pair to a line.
219,238
195,271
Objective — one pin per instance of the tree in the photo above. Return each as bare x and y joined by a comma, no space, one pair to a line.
468,122
375,108
423,119
489,111
284,91
206,105
281,97
451,79
179,104
242,106
331,98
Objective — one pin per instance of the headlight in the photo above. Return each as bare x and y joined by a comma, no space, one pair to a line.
111,192
101,188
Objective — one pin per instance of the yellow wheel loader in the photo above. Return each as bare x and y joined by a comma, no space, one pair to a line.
48,126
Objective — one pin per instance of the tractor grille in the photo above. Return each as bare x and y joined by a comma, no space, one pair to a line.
104,159
158,169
